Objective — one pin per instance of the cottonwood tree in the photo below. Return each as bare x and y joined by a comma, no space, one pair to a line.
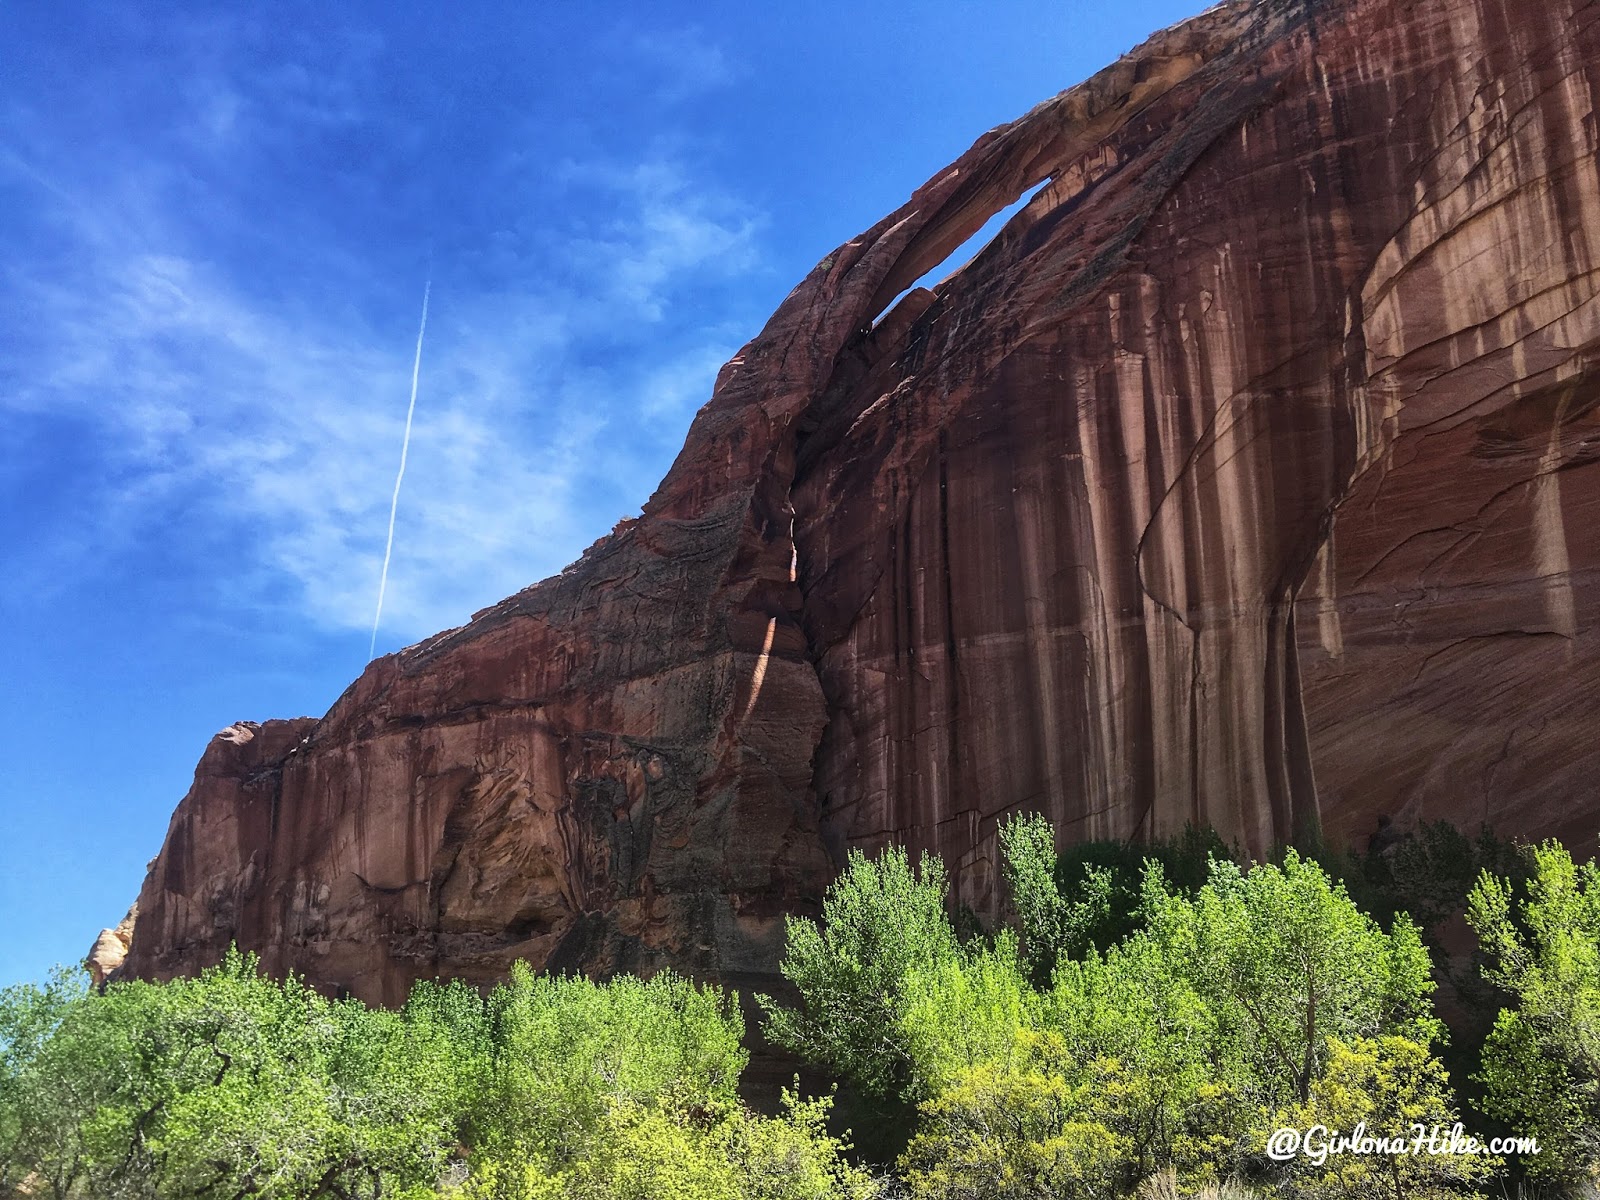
51,1081
1285,961
1541,1063
1055,925
881,919
227,1084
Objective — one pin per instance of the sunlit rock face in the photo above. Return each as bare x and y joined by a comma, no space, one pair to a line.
1250,476
110,950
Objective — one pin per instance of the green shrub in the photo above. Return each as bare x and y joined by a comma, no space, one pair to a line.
646,1151
1041,1124
569,1053
1179,1109
961,1011
233,1084
1184,858
1159,1056
1126,1038
1390,1088
50,1084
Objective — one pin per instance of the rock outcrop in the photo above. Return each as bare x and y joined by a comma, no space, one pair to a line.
110,949
1250,476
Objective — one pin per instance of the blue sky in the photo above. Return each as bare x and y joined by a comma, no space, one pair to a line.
217,223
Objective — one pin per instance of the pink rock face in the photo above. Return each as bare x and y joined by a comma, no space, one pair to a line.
1249,477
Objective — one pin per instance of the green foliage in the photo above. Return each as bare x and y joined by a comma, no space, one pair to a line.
1178,1108
1284,961
1160,1053
1392,1088
1427,872
640,1151
1088,897
881,920
232,1084
1225,1005
1117,868
1129,1037
1232,999
1038,1125
1541,1064
1055,924
569,1053
48,1086
1123,1046
742,1157
964,1010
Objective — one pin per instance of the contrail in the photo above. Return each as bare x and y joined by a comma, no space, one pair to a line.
405,447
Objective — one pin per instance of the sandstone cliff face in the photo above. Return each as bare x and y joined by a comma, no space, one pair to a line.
1251,476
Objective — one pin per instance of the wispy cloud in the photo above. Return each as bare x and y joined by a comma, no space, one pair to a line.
225,412
684,62
666,226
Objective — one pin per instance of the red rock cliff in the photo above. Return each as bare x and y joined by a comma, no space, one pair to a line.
1250,476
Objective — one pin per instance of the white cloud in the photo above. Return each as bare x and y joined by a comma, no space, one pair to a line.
277,430
675,390
684,61
667,226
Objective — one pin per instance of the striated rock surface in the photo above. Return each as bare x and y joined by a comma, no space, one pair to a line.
1250,476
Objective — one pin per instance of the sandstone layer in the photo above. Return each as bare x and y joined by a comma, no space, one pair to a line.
1250,476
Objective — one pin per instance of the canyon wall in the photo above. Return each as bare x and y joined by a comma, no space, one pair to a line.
1250,476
